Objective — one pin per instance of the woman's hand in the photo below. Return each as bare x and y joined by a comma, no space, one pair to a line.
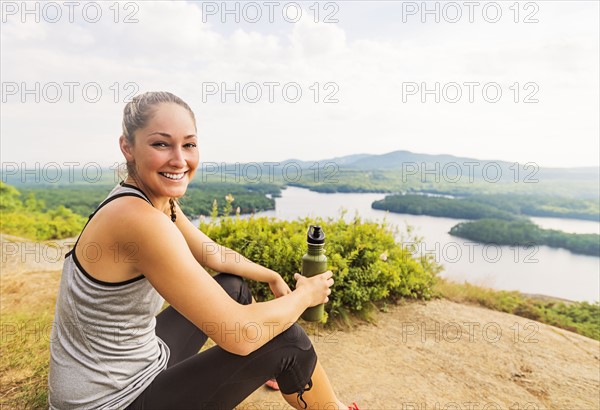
318,286
279,287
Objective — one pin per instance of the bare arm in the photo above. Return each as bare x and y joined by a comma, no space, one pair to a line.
167,262
222,259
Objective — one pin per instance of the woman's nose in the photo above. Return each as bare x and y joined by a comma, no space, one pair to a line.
177,157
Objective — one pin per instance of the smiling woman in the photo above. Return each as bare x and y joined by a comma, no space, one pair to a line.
110,350
160,145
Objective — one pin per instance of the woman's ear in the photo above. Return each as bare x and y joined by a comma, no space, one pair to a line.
126,148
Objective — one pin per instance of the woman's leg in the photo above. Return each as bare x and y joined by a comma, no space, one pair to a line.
182,336
321,396
219,380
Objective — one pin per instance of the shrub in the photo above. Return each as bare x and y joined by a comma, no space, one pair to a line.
367,263
31,219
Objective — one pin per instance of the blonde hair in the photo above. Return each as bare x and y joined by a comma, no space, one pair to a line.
140,109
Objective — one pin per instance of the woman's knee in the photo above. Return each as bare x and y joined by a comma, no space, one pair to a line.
235,286
297,372
297,337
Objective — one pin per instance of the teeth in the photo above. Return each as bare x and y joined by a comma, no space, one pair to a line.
173,176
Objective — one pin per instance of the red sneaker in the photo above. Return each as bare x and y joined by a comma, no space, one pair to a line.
353,407
272,384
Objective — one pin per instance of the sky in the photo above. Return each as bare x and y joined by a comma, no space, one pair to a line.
506,80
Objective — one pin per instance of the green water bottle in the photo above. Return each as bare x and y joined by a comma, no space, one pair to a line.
313,263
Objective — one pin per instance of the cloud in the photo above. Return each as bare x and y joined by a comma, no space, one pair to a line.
311,41
365,63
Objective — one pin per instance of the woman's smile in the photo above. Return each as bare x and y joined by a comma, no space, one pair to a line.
173,176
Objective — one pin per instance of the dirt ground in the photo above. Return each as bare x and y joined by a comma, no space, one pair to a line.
443,355
437,355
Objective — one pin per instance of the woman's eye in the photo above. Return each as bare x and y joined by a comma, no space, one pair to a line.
164,144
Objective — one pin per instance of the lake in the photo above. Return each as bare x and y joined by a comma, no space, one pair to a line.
536,270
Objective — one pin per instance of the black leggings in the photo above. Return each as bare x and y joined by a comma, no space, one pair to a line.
219,380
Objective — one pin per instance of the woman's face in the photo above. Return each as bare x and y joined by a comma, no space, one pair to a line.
165,152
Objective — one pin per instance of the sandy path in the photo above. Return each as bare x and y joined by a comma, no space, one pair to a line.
443,355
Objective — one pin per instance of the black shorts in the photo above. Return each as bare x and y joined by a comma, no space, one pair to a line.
217,379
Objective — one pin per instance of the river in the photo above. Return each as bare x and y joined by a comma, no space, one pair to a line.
536,270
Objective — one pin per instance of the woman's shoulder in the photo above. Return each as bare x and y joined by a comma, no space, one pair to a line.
124,216
118,228
129,209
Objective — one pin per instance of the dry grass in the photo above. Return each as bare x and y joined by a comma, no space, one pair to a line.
477,295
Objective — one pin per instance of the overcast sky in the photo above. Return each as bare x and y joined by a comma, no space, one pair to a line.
371,62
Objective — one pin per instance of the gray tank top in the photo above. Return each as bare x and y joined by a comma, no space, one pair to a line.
103,348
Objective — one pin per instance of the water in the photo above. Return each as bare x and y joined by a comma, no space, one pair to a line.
538,270
567,225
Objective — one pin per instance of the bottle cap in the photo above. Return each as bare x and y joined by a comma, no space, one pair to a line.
315,235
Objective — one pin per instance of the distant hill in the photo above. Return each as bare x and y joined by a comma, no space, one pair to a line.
348,160
395,159
403,160
408,163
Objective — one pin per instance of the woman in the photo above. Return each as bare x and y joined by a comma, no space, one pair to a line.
108,350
